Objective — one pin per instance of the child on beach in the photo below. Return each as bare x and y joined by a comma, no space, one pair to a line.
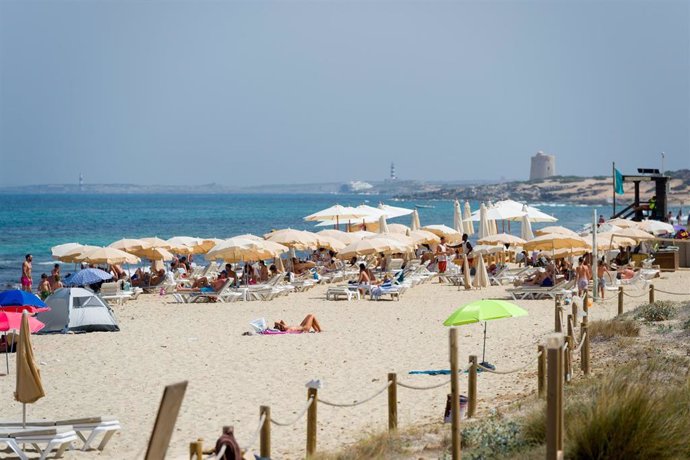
602,269
44,288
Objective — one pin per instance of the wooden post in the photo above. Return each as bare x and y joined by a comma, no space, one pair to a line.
584,353
472,390
265,439
455,395
200,449
393,402
554,397
311,422
570,338
541,371
558,326
585,308
651,293
620,300
573,306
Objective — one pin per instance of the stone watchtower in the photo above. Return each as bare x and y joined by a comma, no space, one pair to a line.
542,166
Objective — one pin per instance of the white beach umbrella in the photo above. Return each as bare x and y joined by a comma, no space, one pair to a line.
517,209
107,256
153,253
481,277
526,227
372,245
249,236
394,211
448,233
330,242
554,229
190,245
344,237
484,229
424,237
467,220
481,249
606,227
656,227
62,249
623,223
239,249
554,241
457,217
296,239
636,234
607,241
156,242
398,228
502,238
383,226
336,213
415,225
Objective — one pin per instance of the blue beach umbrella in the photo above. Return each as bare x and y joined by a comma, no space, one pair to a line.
17,298
88,276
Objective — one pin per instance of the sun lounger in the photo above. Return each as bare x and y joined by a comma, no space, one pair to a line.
112,291
393,290
45,440
87,429
225,294
510,275
335,292
539,292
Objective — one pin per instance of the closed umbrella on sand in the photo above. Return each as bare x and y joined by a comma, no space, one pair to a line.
29,388
467,277
493,228
484,230
467,220
481,277
415,225
457,217
526,228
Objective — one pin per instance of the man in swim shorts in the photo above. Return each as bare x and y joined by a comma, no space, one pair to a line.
26,280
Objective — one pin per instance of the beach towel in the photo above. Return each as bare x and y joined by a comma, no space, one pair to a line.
278,332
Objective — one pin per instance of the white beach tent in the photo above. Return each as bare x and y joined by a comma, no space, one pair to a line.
77,310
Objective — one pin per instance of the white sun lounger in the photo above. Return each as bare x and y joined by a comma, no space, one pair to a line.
54,438
336,292
86,428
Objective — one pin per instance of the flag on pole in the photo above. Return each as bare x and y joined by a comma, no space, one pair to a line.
618,181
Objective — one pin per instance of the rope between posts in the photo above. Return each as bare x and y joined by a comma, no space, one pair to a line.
634,296
255,436
304,411
356,403
671,293
493,371
431,387
582,342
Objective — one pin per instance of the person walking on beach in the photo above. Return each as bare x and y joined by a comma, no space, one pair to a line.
26,280
582,276
442,257
602,269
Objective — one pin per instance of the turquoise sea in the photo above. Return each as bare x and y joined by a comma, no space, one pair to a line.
35,223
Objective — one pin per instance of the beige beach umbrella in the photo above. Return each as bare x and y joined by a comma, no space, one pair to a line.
656,227
457,217
28,388
493,228
383,225
554,229
482,249
240,249
190,245
623,223
448,233
424,237
526,228
394,211
108,256
484,229
249,236
554,241
155,254
363,234
62,249
398,228
415,225
75,255
296,239
372,245
533,214
343,237
636,234
330,242
608,240
405,240
564,253
278,262
467,222
481,277
130,245
502,238
156,242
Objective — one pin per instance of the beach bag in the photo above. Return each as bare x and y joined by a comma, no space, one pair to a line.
259,325
463,408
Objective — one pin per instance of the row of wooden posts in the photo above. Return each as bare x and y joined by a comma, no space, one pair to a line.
554,367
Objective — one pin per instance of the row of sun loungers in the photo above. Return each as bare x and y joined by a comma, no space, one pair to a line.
57,436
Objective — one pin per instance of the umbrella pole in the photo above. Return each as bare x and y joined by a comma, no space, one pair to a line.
484,349
23,415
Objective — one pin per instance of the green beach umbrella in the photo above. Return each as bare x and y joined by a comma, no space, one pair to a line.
484,310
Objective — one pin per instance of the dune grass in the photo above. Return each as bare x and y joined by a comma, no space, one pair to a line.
608,329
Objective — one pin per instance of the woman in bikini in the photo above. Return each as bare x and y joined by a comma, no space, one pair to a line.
308,323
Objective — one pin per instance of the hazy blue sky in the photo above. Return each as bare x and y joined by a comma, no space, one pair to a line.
276,92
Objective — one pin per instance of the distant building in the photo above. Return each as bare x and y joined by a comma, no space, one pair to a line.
356,186
542,166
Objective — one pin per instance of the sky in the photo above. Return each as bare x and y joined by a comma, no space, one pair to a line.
256,92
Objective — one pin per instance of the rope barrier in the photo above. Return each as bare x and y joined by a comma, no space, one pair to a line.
493,371
582,342
304,411
414,387
635,296
356,403
255,436
671,293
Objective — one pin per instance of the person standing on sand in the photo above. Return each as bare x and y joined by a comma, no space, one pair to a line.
602,269
442,257
26,280
582,277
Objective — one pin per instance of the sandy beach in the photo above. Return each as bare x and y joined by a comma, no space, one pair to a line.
231,375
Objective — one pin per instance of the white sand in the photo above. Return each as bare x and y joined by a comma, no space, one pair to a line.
230,375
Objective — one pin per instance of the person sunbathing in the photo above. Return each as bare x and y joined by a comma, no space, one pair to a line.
625,273
308,323
541,278
203,285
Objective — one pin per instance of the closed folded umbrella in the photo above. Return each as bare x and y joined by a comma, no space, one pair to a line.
467,220
29,387
414,224
493,228
88,276
526,228
383,225
481,277
484,229
457,217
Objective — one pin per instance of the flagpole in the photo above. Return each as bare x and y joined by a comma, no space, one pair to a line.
613,176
